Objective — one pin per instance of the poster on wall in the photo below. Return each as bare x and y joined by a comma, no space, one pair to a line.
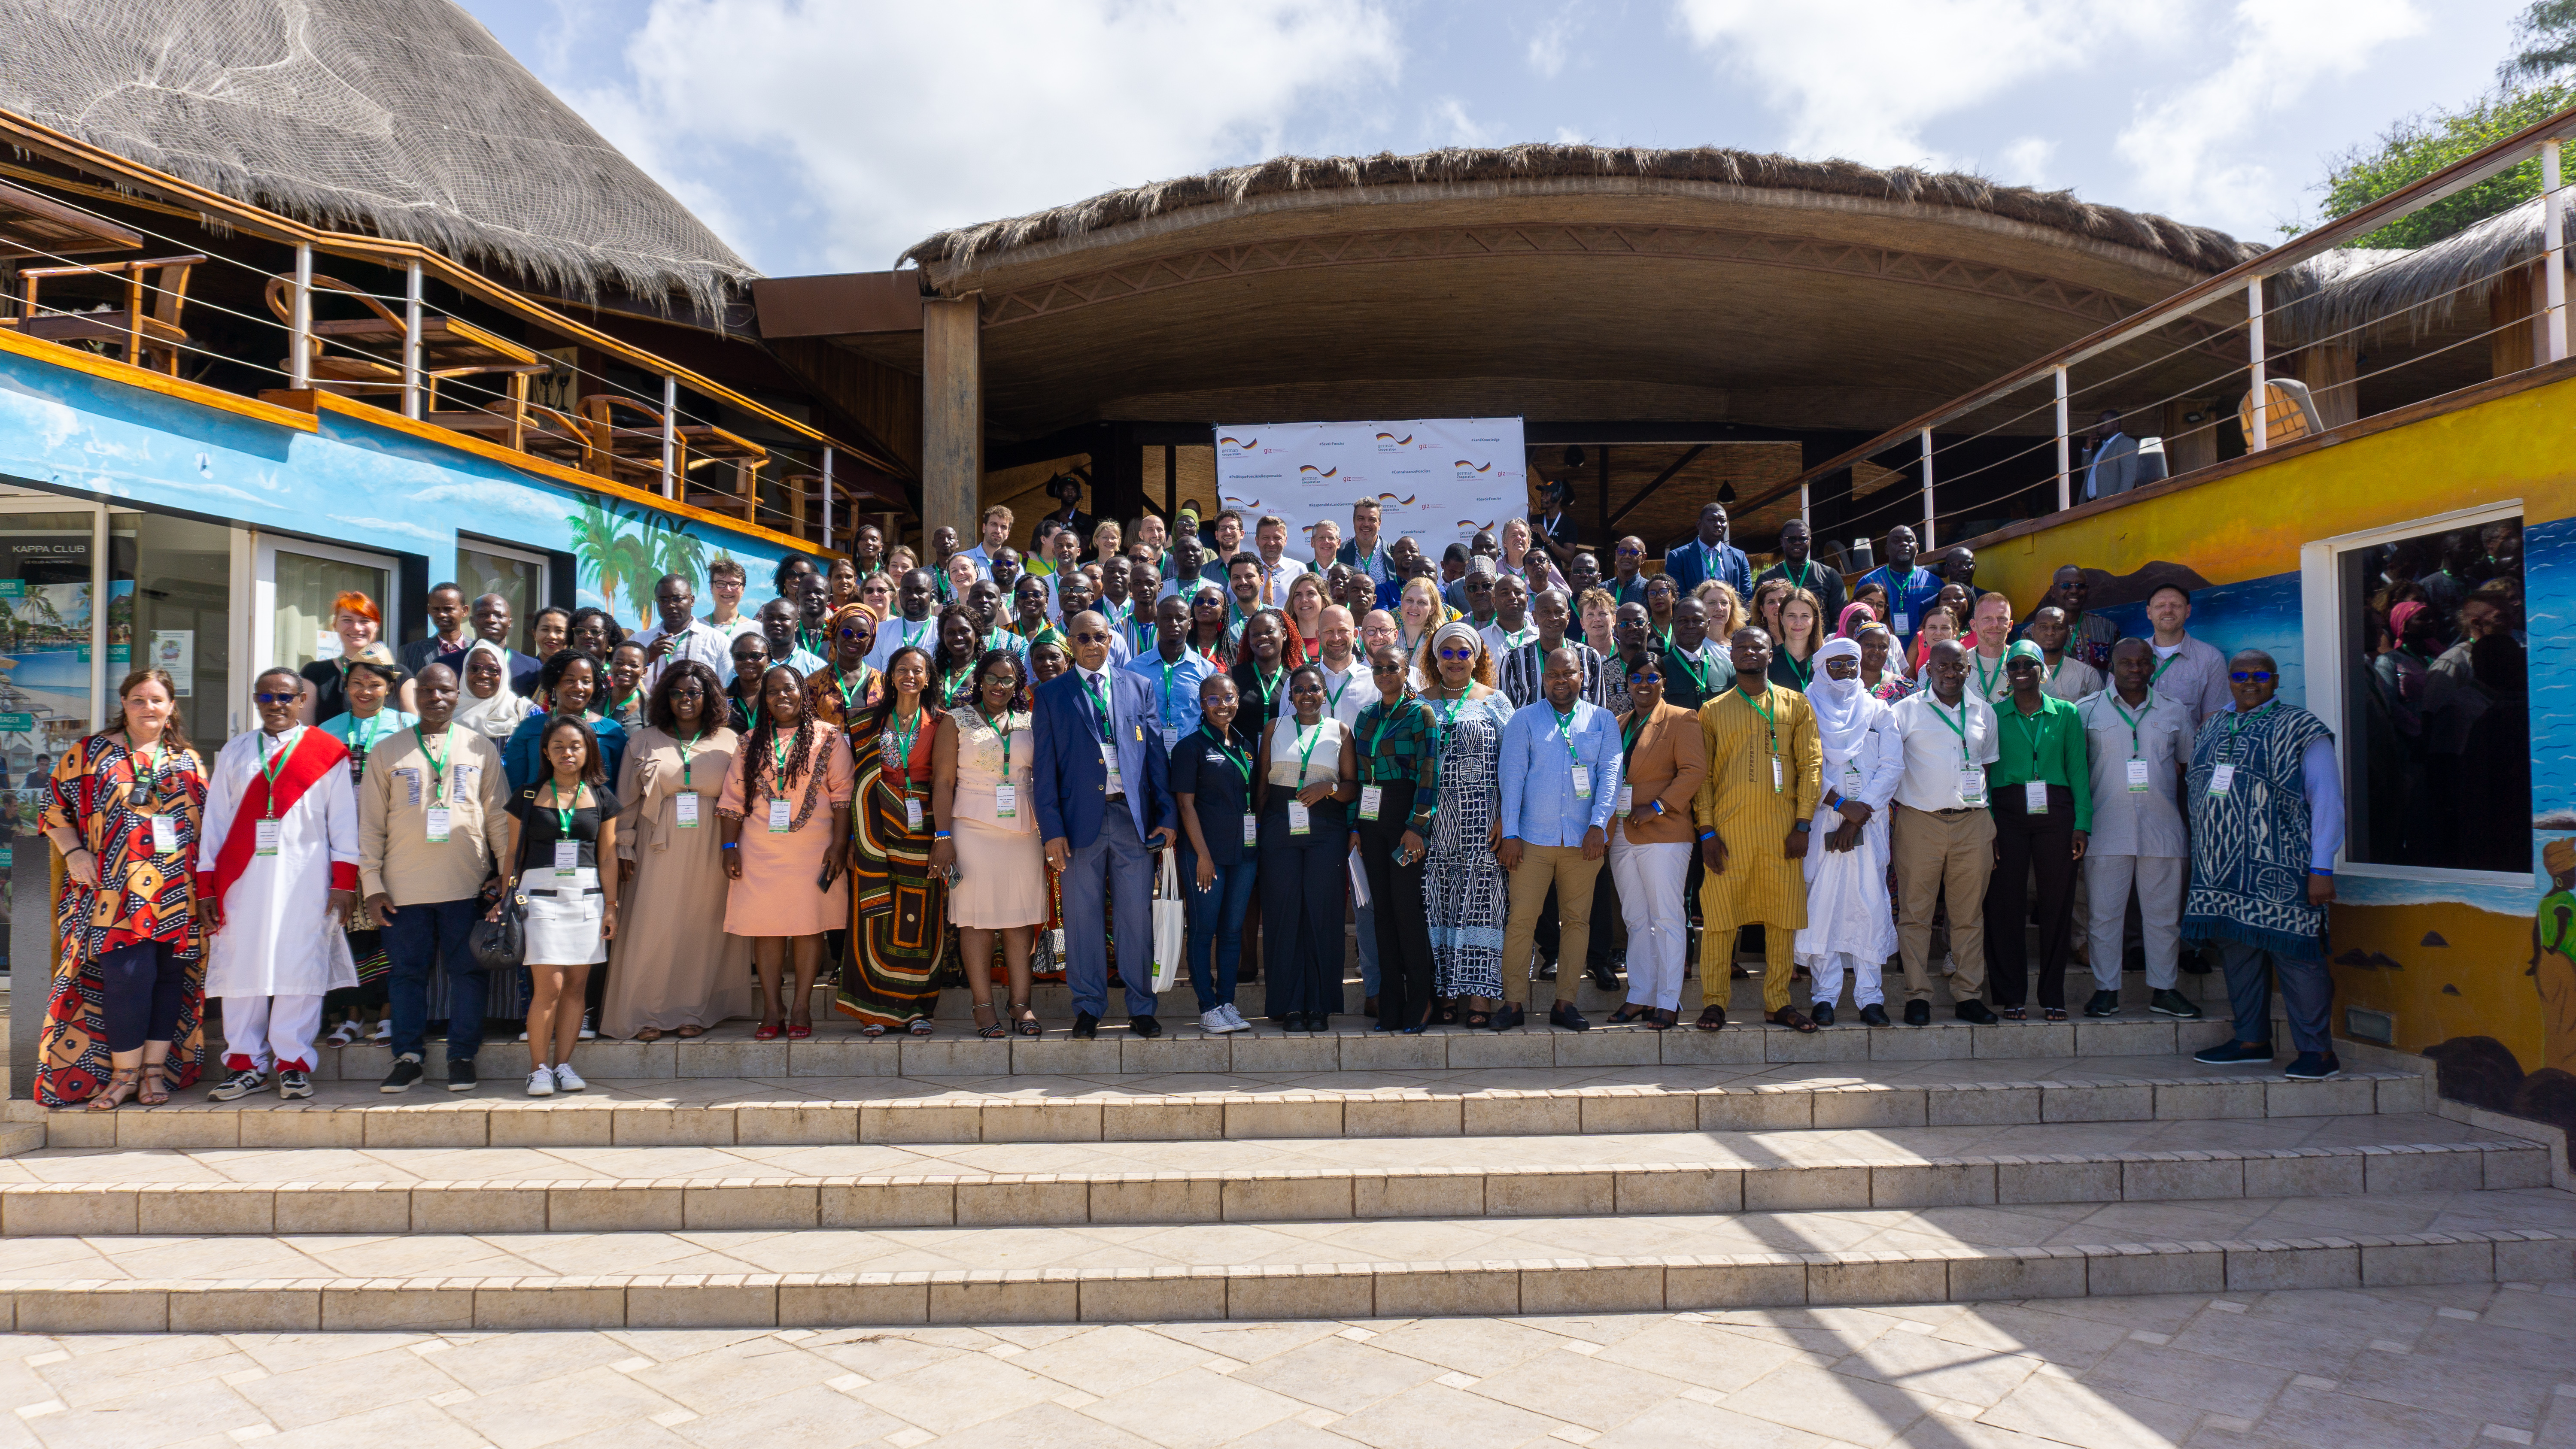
1439,480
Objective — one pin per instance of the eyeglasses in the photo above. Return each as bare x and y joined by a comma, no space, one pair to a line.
2251,676
1376,669
1632,553
854,633
1457,653
276,698
1090,638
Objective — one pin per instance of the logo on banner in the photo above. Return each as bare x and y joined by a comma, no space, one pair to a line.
1406,502
1470,523
1309,473
1390,443
1468,468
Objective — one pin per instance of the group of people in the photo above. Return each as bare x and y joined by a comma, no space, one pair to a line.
905,776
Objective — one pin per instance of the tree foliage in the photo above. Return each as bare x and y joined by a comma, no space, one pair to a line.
2421,145
2547,34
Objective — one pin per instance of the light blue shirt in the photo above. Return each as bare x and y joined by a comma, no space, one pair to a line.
1176,694
1539,803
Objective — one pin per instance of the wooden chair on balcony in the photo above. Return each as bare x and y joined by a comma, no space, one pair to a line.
626,445
371,363
143,328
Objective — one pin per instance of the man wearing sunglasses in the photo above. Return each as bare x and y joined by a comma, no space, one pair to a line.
2264,787
1627,583
680,634
1103,808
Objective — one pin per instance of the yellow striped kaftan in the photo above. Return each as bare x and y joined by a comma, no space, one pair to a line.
1760,883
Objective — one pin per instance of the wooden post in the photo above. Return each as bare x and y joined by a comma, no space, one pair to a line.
1171,484
2509,348
952,414
670,435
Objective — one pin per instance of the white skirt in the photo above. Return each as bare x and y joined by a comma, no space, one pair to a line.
564,917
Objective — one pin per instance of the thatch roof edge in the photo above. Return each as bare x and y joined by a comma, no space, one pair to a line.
2200,248
2419,289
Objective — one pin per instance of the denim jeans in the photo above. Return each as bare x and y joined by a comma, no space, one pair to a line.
1216,926
417,939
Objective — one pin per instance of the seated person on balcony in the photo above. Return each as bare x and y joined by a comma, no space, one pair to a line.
2112,462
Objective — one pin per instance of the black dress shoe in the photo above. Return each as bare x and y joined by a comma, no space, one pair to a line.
1823,1015
2103,1004
1145,1026
1506,1019
1974,1012
1603,976
1874,1015
1918,1013
1085,1026
1564,1015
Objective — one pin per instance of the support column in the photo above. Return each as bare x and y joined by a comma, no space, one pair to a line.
2329,370
952,414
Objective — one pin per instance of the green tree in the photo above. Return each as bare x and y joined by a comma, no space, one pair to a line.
2421,145
2547,33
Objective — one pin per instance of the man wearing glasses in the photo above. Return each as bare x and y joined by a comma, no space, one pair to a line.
2263,788
1102,809
725,581
1626,584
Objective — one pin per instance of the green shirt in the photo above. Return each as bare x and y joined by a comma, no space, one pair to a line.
2047,746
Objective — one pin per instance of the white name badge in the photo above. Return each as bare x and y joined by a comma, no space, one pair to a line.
2137,777
780,817
438,822
2034,798
1972,784
912,815
1371,796
1851,773
1582,782
1627,799
264,837
1109,762
684,808
165,834
1905,623
1300,819
567,857
1006,802
1251,830
2220,777
1778,779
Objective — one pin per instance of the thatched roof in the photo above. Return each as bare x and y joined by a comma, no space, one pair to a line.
2192,246
401,117
2417,289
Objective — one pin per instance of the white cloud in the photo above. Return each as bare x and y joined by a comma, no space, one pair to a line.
2025,161
2190,148
1546,52
1862,78
1451,117
896,119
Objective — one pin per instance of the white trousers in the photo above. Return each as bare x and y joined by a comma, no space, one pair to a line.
2159,879
1649,880
261,1032
1828,970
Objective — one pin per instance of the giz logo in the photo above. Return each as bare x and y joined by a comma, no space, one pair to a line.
1390,443
1468,468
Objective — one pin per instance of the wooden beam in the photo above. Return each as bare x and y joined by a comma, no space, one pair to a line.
952,414
1661,479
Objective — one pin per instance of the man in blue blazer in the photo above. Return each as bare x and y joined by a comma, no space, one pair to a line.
1710,556
1101,823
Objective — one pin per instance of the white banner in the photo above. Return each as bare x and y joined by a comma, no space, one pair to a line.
1437,479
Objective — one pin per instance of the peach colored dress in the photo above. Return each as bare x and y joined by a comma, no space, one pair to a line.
776,895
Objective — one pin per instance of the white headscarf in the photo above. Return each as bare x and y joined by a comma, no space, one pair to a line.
1844,710
492,718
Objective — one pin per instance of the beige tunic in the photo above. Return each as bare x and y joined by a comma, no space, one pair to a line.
672,965
1738,801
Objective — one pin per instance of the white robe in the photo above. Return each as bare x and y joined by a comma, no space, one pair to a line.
1847,905
278,938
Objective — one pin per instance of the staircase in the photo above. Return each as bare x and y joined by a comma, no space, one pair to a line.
724,1183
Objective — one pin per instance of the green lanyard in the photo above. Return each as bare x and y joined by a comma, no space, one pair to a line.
1565,727
1805,674
684,757
1004,730
903,739
1269,687
1333,697
1515,638
269,766
2134,748
150,776
1806,570
1306,757
778,767
1985,681
1448,717
1165,695
1770,722
563,812
618,705
912,633
1697,671
1628,736
437,762
2162,665
1242,763
1957,726
2227,753
850,695
1091,682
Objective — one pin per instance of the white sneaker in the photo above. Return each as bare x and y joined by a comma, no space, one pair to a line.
1234,1019
541,1082
1213,1022
569,1080
523,1035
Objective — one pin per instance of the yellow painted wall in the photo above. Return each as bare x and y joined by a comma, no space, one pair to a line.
2483,961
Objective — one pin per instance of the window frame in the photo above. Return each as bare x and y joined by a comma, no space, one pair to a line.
2329,665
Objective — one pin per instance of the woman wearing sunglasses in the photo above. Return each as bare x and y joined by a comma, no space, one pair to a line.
1397,740
1463,884
1306,774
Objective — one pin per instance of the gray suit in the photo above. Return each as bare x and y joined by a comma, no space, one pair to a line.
2123,463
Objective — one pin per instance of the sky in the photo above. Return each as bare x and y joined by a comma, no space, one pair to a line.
828,135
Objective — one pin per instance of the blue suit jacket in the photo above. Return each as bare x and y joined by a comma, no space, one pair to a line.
1071,784
1684,564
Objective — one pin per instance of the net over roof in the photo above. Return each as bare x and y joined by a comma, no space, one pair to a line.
401,117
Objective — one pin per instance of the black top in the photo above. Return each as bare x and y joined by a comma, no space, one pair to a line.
420,653
331,688
1822,580
540,827
1217,789
1254,713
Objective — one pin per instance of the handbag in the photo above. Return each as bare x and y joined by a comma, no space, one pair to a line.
1171,924
501,945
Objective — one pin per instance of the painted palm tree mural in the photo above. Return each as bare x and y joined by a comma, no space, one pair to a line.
620,551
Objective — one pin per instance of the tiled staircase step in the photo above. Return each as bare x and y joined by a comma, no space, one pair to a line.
1413,1268
1627,1175
1185,1107
729,1051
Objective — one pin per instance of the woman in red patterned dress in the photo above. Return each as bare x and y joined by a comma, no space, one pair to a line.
122,1020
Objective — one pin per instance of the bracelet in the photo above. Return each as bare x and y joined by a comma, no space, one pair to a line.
731,845
1707,835
1801,827
939,835
2328,873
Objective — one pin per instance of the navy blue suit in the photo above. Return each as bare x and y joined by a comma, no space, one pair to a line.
1688,565
1109,864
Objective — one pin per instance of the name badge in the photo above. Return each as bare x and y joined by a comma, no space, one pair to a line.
1972,784
1582,782
2137,777
1006,802
2220,777
411,784
1627,799
780,817
2034,798
1109,762
438,820
567,857
1370,798
165,834
1299,818
1778,779
264,835
912,815
684,807
1251,830
1905,623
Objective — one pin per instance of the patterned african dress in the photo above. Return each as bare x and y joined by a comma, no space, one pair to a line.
141,897
842,700
1462,883
900,938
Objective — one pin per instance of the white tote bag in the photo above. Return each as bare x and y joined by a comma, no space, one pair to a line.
1171,924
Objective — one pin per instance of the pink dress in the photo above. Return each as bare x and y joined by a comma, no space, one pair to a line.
776,895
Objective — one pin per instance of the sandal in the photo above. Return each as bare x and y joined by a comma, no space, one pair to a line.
156,1084
2053,1013
1479,1020
1025,1021
921,1026
650,1033
1629,1012
119,1079
1449,1013
2014,1013
767,1032
989,1030
1792,1018
346,1033
1712,1018
691,1033
1662,1020
800,1033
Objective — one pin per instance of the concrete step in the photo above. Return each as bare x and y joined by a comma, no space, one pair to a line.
1286,1103
834,1051
1402,1268
596,1190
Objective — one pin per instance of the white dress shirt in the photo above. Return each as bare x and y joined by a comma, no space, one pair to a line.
1357,688
701,641
1935,751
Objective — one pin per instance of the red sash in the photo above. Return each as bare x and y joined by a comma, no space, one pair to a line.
307,761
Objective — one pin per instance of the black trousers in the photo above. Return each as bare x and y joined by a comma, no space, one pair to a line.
1304,883
1396,905
2028,845
140,988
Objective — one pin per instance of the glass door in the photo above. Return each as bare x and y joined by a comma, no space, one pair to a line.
484,567
294,585
53,641
170,608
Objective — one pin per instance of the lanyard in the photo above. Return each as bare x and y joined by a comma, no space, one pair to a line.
437,761
903,739
1004,730
617,706
1806,569
1269,687
2234,722
2030,726
778,767
2162,665
684,757
1167,666
1242,763
1377,737
1628,736
1805,674
1448,717
1306,756
1770,722
1091,682
269,765
850,694
1565,728
912,633
365,733
1957,726
563,812
2134,747
1985,681
150,777
1698,672
1333,696
1515,638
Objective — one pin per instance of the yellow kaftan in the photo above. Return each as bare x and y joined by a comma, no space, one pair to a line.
1761,884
